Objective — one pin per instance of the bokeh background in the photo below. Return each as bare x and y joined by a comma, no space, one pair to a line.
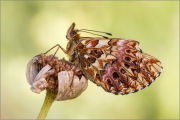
31,28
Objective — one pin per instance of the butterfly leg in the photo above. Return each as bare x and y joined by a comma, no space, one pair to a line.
59,46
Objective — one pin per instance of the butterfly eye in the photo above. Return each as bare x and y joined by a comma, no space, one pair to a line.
73,33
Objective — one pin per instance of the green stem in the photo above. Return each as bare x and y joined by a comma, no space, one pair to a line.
46,105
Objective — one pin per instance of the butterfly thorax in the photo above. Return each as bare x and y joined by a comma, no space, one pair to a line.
71,49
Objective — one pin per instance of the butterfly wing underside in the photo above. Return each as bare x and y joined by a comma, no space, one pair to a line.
118,65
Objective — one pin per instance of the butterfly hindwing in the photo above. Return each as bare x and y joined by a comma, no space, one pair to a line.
117,65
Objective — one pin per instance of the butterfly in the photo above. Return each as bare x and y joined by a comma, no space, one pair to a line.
117,65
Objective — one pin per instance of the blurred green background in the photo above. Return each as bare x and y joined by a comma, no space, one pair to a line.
31,28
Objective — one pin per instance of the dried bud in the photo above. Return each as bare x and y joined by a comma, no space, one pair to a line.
70,86
58,76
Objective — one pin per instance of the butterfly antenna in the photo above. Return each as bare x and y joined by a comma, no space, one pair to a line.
94,34
84,30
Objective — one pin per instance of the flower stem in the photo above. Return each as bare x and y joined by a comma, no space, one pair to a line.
46,105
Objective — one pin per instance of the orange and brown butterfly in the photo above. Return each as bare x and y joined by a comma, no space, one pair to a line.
117,65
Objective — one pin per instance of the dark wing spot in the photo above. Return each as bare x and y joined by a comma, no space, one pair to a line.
91,59
126,65
102,72
128,59
110,83
128,51
105,65
133,70
123,71
95,51
135,62
115,75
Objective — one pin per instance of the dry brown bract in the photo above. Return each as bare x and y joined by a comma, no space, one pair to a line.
58,76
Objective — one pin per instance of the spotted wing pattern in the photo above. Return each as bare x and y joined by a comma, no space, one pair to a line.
118,65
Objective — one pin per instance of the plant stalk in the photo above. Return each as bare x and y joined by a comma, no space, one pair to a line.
46,105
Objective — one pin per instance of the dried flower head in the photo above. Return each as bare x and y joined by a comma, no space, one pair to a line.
58,76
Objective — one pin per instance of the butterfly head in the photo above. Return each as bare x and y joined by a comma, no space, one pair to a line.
72,33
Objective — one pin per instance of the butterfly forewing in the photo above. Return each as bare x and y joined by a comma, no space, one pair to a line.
117,65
